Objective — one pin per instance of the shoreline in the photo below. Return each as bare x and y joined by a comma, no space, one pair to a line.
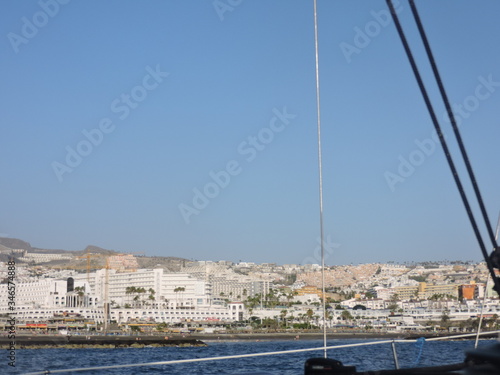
101,342
193,340
356,335
293,336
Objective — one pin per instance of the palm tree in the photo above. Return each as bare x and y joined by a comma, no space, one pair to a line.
291,319
80,291
445,319
130,290
309,314
329,316
283,316
300,318
393,307
151,294
493,322
139,292
346,315
316,319
179,289
254,301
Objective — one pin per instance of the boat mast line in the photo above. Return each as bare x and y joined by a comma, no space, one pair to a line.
460,336
320,173
250,355
456,131
454,125
444,145
485,293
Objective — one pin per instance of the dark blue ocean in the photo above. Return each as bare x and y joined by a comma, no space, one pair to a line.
374,357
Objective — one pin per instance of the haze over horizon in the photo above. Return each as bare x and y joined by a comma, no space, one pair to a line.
189,129
306,260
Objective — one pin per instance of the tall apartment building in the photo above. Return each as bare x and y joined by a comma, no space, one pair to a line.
123,263
225,283
44,257
168,297
428,290
425,291
161,288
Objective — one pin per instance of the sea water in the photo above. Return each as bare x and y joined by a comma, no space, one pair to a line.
373,357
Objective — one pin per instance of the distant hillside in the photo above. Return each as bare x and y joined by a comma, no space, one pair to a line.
4,258
173,264
14,243
3,248
96,261
97,250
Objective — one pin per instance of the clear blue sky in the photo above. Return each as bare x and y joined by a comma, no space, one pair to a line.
178,91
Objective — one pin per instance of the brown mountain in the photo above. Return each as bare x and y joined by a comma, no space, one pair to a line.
96,262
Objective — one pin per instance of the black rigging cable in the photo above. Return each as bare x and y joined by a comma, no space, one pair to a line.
443,144
451,116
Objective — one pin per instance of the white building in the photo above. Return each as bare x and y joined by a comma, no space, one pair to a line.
45,293
44,257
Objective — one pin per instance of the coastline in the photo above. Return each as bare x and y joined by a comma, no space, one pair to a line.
290,336
92,341
176,340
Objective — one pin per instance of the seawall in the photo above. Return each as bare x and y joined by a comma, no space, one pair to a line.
82,341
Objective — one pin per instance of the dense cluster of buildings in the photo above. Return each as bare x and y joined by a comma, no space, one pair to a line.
375,295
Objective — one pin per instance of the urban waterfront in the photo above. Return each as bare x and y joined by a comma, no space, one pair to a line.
141,294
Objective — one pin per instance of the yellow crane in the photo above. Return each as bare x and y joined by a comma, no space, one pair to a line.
88,256
107,267
106,296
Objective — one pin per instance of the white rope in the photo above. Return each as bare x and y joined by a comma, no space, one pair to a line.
461,336
482,312
486,291
250,355
320,171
